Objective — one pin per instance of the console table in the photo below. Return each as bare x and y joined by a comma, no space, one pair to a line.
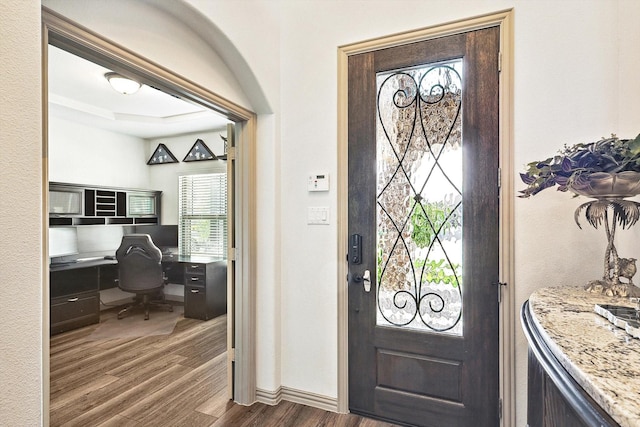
75,289
583,371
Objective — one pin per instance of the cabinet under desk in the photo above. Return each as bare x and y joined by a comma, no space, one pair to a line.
75,288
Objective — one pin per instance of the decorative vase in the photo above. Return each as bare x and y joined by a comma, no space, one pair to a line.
605,185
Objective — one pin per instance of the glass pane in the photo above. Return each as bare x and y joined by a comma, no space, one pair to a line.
65,202
142,205
205,237
419,197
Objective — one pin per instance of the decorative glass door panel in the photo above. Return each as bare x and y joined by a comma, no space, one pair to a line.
419,198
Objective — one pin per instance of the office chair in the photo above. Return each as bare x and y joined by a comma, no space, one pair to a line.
140,272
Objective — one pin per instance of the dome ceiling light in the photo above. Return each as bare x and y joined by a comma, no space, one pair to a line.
122,84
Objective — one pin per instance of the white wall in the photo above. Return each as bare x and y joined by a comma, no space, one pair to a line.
21,336
568,88
87,155
629,112
164,177
576,68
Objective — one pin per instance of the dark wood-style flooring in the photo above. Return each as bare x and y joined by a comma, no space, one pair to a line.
169,380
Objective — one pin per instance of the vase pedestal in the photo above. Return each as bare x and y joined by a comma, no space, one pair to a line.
609,288
612,211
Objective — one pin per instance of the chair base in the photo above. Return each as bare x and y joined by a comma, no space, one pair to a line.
146,303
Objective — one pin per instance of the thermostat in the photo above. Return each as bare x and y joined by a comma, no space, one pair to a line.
318,182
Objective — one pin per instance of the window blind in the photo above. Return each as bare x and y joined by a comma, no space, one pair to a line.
203,215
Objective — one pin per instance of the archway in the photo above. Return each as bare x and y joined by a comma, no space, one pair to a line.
68,35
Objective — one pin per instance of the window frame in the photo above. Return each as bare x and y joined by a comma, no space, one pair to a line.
195,194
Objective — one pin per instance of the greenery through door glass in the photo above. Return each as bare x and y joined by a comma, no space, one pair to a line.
430,220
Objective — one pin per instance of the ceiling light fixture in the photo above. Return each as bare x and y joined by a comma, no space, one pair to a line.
122,84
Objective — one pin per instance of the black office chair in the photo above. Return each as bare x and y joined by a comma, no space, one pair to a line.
140,272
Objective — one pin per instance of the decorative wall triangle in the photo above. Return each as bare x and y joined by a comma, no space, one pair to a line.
161,156
199,151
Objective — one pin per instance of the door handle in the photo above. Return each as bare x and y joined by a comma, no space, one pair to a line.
365,279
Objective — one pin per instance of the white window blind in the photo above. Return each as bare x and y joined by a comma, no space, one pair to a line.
203,215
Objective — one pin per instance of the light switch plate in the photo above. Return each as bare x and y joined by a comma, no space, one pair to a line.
318,215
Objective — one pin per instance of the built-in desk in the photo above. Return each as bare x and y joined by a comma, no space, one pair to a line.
75,288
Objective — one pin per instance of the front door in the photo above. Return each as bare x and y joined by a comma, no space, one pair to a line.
423,231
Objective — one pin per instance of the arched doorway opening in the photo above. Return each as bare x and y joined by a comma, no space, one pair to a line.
67,35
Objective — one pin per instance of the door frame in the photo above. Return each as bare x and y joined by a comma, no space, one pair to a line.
504,20
64,33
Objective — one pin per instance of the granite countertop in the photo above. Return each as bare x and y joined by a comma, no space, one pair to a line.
602,358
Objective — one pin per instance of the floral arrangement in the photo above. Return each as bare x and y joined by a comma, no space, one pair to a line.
579,168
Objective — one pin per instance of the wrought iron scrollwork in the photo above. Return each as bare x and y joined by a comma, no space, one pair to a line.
419,113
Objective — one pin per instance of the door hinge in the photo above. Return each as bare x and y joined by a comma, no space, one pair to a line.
499,285
231,153
499,61
499,178
500,408
232,254
232,354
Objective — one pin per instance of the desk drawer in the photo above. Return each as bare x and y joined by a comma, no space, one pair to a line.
74,311
195,303
74,281
192,268
195,280
74,306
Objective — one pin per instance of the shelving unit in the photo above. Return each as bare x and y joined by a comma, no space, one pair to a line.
75,204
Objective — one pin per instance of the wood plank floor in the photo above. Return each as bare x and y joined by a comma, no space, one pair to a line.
169,380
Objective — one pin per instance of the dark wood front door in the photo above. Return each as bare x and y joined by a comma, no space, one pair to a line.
423,232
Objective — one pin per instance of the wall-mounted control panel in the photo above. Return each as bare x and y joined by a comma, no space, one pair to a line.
318,182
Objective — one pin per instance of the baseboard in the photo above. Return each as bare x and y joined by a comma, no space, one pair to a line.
269,397
297,396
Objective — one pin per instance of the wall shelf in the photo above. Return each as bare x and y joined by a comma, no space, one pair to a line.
77,205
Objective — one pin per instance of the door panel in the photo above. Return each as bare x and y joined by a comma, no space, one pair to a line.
438,378
423,194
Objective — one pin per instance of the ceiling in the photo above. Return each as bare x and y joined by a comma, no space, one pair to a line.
79,92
